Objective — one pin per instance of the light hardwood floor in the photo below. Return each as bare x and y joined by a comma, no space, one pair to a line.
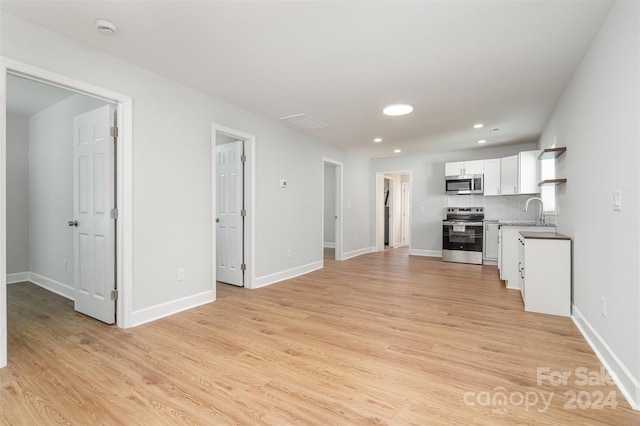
380,339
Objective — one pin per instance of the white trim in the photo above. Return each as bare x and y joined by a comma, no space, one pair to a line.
378,209
329,245
288,274
339,255
628,385
172,307
124,232
18,277
358,252
428,253
250,203
64,290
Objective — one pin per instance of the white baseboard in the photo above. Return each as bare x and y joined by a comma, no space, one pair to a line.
428,253
329,245
162,310
628,385
57,287
285,275
359,252
18,277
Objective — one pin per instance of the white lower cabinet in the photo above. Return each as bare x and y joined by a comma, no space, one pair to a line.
545,273
509,251
490,249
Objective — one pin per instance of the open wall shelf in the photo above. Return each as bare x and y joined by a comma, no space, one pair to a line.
552,182
549,153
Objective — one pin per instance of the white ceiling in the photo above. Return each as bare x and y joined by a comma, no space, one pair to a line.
27,97
502,63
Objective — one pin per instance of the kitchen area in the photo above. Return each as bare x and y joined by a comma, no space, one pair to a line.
497,216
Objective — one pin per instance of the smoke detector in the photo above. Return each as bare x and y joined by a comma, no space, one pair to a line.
106,28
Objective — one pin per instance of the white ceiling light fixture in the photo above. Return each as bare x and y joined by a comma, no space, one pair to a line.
106,28
396,110
377,140
478,126
482,141
397,151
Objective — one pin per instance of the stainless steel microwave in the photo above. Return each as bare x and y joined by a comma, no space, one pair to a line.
469,184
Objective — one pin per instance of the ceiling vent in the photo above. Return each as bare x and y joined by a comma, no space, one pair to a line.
304,122
495,130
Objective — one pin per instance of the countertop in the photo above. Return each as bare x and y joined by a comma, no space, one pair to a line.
543,236
522,223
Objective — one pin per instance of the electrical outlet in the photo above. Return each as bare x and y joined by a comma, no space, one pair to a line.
64,264
603,307
289,254
283,183
181,272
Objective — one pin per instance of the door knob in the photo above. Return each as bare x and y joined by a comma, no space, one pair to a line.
217,220
72,223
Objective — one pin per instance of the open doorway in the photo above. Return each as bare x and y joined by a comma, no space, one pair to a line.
233,197
332,209
392,210
78,99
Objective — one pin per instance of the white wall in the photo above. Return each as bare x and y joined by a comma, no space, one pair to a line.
51,188
17,194
597,119
172,220
329,205
428,198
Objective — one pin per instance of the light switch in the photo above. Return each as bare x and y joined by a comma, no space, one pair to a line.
617,201
283,183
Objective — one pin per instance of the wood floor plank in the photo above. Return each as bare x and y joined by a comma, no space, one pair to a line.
384,338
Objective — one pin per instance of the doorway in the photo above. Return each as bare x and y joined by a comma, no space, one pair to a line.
122,187
233,171
392,209
331,210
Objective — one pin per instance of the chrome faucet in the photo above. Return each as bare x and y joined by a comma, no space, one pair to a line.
526,208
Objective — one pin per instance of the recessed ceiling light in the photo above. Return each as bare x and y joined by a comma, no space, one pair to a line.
377,140
478,126
397,109
482,141
397,151
106,28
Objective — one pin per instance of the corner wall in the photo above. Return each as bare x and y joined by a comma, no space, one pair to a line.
598,120
17,195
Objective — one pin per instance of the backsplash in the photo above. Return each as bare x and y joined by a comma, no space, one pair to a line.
509,207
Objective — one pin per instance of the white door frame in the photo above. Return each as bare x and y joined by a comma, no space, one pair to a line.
124,187
249,201
379,207
339,255
406,213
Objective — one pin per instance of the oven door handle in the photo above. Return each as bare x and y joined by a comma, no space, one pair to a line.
447,223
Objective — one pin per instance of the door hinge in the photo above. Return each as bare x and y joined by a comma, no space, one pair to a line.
243,212
114,213
243,267
114,132
243,158
114,294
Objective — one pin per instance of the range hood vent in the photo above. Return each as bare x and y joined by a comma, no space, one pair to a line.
304,122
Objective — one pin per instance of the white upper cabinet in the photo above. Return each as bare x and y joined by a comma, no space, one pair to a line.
461,168
520,174
529,172
492,176
509,175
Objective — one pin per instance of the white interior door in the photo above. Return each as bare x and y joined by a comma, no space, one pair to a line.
93,199
229,220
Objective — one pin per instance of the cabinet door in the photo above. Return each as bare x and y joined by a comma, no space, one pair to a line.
509,175
491,241
492,176
474,167
455,168
528,172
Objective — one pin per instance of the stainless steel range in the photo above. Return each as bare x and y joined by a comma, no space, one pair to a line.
462,234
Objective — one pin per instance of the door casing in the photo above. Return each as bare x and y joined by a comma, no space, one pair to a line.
124,187
249,200
339,255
